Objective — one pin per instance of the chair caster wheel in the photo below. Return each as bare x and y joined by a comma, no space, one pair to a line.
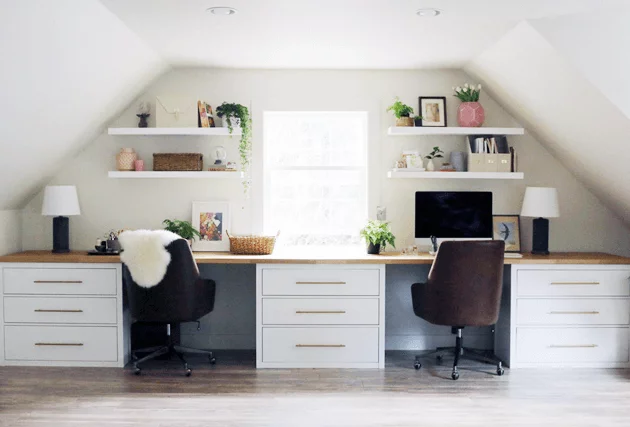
137,371
188,372
212,359
417,365
500,371
455,375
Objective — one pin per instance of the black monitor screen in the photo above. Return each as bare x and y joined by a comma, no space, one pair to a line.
454,214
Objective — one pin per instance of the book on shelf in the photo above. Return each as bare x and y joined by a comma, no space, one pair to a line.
489,153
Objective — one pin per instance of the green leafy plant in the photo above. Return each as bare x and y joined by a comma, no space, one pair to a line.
399,109
184,229
228,112
436,153
378,233
468,93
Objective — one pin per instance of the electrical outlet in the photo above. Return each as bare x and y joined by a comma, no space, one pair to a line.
381,213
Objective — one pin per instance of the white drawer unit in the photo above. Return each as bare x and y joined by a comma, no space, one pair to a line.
565,316
320,311
55,314
320,316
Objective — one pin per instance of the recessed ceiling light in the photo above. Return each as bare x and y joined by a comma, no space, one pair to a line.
428,12
222,10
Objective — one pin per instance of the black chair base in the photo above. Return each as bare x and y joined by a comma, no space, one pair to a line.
461,352
170,350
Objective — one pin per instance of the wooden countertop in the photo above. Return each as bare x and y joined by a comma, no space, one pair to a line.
316,258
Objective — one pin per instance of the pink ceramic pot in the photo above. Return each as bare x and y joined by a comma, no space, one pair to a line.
470,114
139,164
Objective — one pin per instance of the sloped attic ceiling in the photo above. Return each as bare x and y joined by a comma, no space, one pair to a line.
68,66
579,125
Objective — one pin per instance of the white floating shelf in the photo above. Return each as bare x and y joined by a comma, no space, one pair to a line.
411,131
456,175
219,131
183,174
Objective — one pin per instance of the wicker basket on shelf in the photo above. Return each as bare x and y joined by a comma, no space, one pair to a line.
177,162
252,245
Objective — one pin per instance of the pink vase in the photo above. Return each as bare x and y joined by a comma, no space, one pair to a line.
470,114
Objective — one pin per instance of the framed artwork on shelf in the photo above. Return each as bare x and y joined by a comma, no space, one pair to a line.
433,111
508,229
211,220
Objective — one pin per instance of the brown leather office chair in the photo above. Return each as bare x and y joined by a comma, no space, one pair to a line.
181,296
463,289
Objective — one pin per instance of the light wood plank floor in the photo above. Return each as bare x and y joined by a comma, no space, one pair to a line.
233,393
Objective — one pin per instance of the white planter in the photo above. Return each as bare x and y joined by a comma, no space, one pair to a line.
236,122
430,165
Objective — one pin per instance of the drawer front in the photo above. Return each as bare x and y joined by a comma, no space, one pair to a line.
571,345
320,311
576,311
320,345
61,343
573,282
320,282
59,310
60,281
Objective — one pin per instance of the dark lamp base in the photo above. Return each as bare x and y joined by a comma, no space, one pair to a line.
540,237
61,235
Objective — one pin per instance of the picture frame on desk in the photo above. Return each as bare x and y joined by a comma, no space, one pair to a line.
433,111
211,219
508,229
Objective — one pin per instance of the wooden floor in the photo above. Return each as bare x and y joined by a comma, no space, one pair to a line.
233,393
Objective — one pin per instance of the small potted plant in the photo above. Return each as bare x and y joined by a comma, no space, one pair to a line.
402,113
417,121
470,113
435,154
183,229
377,235
238,115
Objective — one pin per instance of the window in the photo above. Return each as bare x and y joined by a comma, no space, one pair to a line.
315,176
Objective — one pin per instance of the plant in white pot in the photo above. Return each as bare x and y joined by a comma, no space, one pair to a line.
436,153
238,115
183,229
377,235
470,113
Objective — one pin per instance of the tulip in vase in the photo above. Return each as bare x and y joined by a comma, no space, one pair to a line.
470,112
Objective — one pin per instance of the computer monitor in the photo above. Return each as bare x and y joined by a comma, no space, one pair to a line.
453,215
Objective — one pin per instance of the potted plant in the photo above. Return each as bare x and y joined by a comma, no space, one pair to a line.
402,113
377,235
417,121
470,113
183,229
435,154
238,115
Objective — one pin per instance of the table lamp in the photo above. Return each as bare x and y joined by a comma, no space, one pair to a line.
60,201
540,203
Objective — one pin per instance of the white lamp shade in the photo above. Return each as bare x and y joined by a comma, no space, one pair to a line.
61,200
540,202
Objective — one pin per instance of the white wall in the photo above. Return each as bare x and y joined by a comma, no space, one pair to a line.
112,204
10,231
68,66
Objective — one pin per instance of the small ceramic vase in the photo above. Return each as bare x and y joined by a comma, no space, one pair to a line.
470,114
125,159
430,165
139,165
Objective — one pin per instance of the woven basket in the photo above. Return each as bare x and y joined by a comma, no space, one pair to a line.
252,245
404,121
177,161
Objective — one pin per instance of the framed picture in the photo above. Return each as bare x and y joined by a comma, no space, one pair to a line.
211,220
433,110
508,229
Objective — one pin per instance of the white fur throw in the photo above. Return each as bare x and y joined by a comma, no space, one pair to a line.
145,254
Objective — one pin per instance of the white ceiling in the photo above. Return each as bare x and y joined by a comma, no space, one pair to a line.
334,34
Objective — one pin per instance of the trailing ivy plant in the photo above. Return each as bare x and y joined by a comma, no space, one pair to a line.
378,233
183,229
228,112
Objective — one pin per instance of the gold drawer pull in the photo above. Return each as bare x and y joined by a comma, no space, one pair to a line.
320,312
320,283
574,312
58,281
575,283
574,346
64,344
320,345
42,310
